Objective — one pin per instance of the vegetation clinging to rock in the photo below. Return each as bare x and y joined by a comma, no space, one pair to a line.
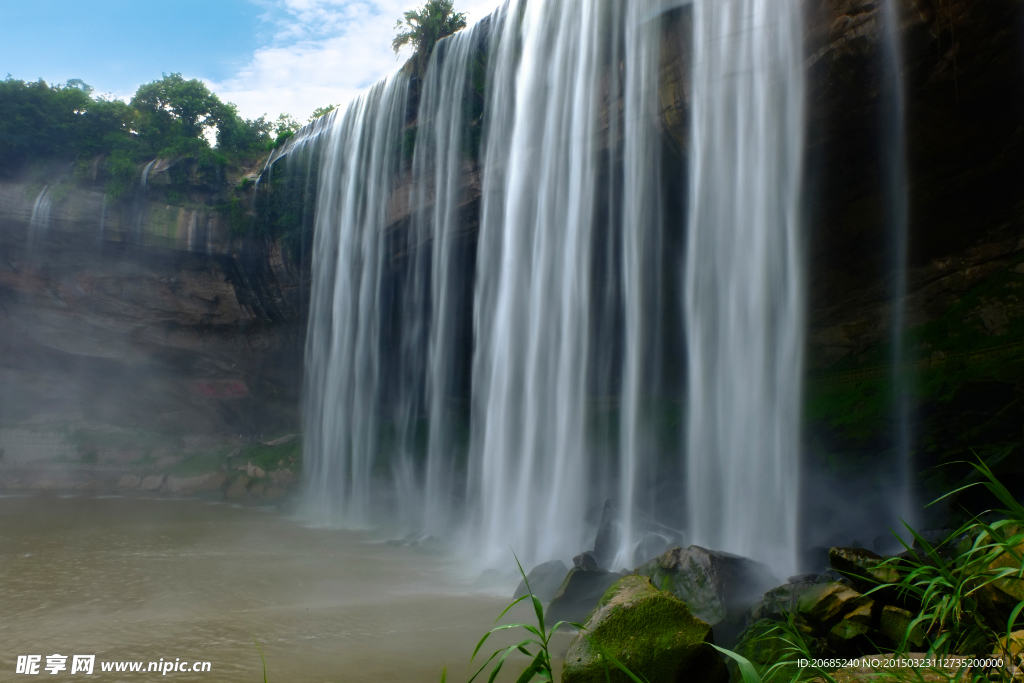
422,28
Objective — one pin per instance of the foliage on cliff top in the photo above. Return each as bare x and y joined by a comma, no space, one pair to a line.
422,28
170,117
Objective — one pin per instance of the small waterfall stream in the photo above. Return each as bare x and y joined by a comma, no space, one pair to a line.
895,191
39,221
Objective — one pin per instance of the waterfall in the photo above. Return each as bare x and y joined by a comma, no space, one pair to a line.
553,210
361,158
145,174
494,276
744,281
895,191
103,221
39,221
191,234
441,278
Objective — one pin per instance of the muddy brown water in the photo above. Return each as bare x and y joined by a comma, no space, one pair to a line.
143,579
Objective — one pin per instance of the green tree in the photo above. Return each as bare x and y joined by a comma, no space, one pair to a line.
286,125
174,112
242,136
320,111
37,119
422,28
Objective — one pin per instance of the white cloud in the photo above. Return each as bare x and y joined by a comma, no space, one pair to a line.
322,52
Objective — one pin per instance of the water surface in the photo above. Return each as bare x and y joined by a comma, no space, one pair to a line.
141,579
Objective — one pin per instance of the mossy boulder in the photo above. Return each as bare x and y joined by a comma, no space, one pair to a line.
894,623
780,601
866,568
823,605
651,632
718,587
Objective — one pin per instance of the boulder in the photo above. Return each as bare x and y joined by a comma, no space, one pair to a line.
779,601
606,543
849,638
282,477
650,631
239,488
153,482
863,566
824,604
718,587
254,472
893,624
274,493
544,580
586,560
129,481
578,594
203,482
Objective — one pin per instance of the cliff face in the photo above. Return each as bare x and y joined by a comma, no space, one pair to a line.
143,314
150,314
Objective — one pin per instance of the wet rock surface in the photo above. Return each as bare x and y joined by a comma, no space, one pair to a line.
578,594
544,579
650,631
718,587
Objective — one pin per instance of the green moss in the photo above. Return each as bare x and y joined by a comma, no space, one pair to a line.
650,631
270,458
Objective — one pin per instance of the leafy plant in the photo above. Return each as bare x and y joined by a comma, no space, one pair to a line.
950,579
320,111
422,28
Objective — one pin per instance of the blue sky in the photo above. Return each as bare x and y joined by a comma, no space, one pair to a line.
266,56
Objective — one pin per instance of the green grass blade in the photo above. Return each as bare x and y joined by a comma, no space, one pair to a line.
538,609
1013,617
479,645
747,670
513,604
536,666
262,659
1013,508
509,650
444,674
607,656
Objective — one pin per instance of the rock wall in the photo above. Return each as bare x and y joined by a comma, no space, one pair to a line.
144,318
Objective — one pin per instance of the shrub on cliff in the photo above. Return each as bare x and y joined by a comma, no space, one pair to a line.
422,29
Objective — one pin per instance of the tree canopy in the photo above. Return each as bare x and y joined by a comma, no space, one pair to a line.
168,117
422,28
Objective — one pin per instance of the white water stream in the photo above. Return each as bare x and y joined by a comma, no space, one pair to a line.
745,279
